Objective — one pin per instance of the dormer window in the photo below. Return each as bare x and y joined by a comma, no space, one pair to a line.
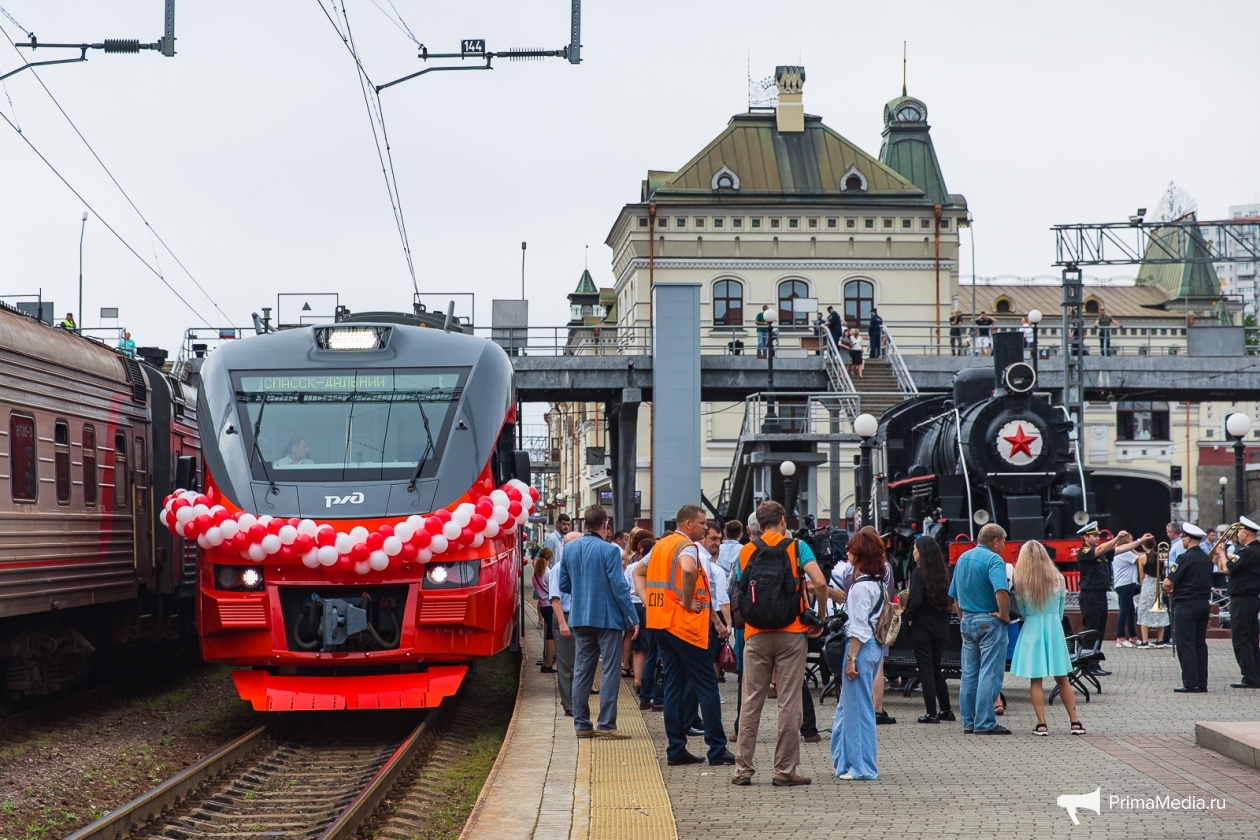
852,180
1002,306
724,179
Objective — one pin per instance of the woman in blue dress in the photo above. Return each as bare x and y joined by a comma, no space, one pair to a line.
1041,650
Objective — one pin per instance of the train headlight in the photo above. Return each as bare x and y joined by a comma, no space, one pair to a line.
452,575
1019,378
352,338
981,517
239,578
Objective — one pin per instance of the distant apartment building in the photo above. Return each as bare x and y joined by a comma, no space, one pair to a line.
1239,278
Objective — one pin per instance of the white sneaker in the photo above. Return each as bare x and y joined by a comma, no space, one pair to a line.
1119,644
848,777
1127,643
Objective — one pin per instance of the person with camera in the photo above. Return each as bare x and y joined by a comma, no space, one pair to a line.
853,749
771,571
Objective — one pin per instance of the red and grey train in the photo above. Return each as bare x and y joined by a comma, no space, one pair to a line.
93,436
360,517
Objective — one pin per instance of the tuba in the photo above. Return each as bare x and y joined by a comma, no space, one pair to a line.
1161,562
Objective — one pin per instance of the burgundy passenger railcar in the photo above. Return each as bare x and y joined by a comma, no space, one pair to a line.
359,524
90,438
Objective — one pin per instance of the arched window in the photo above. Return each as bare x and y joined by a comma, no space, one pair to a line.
859,298
1002,306
1091,306
790,290
728,303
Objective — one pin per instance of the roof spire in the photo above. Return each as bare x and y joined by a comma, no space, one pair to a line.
903,68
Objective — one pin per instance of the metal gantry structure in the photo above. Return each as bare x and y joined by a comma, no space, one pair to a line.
165,45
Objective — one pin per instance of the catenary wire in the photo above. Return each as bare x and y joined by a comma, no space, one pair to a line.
107,225
376,117
398,21
13,20
152,232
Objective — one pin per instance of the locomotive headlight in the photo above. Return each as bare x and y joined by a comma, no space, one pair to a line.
352,338
239,578
227,577
981,517
251,578
1019,378
452,575
438,574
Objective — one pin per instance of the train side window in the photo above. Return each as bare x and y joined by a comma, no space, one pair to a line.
89,466
142,486
120,471
23,458
61,461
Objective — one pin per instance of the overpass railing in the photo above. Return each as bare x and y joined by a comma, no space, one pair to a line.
921,338
807,412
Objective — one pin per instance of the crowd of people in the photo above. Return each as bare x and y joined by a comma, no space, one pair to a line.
676,613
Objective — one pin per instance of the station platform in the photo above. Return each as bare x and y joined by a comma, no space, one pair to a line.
1154,781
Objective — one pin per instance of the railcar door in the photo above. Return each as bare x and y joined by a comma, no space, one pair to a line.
141,518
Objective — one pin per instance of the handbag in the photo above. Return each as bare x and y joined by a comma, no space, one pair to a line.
889,623
726,657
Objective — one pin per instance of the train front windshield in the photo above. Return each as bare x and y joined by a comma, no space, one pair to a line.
374,424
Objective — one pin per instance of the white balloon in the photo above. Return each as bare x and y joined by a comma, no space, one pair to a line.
246,520
228,528
179,528
464,513
271,543
257,553
163,517
344,543
326,554
362,568
492,529
184,514
379,561
415,520
264,519
358,534
451,530
500,514
214,536
200,510
404,531
392,545
438,545
308,527
424,556
477,541
499,498
201,541
311,559
287,534
214,511
190,495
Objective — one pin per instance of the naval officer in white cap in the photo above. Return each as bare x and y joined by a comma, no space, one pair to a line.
1191,587
1093,559
1244,601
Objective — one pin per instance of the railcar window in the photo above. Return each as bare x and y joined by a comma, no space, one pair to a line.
142,486
120,471
336,425
23,458
61,461
89,466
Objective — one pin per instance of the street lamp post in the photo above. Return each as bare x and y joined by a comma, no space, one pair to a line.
864,426
82,229
788,469
1034,318
1237,425
770,425
1223,481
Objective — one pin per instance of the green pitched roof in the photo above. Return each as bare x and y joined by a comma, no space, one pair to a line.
907,149
808,165
586,285
1179,280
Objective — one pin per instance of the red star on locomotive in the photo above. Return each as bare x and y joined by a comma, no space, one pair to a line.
1020,442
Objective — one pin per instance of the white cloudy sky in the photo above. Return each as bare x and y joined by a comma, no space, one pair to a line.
251,155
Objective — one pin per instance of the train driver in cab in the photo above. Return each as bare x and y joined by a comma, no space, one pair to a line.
295,454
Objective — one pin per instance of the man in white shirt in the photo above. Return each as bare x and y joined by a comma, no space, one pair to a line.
566,649
728,551
556,539
721,602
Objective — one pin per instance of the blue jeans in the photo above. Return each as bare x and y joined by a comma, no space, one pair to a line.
590,644
853,730
984,640
649,691
763,340
689,678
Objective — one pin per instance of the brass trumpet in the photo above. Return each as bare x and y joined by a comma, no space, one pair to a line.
1161,562
1225,538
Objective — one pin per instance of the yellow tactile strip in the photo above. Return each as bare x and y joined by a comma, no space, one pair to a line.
626,793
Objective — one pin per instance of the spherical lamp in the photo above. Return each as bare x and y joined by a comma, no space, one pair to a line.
865,425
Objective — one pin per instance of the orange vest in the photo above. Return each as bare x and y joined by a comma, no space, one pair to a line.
746,553
664,593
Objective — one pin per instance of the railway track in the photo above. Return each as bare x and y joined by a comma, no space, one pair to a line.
327,776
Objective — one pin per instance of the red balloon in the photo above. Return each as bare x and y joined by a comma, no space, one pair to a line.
359,553
286,553
477,523
274,526
514,508
485,508
220,516
294,521
443,514
303,543
375,541
204,522
466,536
344,563
409,551
433,525
513,493
326,535
191,531
180,502
420,539
202,500
167,500
257,532
533,493
236,545
386,530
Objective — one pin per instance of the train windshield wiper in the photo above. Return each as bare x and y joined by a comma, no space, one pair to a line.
275,491
424,456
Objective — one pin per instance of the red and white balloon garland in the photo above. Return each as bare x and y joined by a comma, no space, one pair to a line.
492,512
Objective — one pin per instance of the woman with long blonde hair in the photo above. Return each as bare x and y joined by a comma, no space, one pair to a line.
1041,650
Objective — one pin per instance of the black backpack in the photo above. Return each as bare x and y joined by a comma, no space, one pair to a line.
769,589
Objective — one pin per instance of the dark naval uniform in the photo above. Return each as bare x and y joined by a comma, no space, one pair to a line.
1192,589
1095,582
1244,605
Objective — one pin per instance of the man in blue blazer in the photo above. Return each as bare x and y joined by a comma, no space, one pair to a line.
601,613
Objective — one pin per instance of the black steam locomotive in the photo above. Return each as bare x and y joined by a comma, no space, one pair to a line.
993,451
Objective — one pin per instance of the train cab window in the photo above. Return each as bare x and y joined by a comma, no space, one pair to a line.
89,466
61,461
23,458
142,486
120,471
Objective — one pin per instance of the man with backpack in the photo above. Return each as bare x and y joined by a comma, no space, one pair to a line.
772,570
